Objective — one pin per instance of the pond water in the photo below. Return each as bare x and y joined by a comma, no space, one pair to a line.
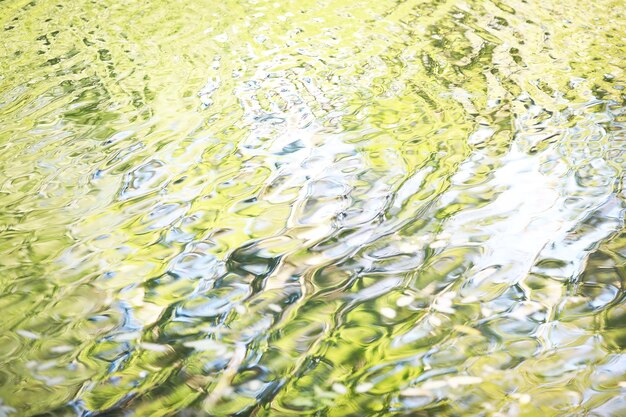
312,208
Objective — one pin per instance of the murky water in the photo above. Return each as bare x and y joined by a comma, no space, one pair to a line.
312,208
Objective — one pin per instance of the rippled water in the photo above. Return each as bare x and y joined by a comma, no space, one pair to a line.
312,208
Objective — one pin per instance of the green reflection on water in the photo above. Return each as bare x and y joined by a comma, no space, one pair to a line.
325,208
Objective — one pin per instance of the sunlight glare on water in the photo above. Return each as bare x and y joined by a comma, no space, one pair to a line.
312,208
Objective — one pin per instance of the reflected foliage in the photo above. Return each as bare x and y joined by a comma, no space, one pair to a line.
312,208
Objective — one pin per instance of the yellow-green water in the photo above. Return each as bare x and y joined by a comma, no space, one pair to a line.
312,208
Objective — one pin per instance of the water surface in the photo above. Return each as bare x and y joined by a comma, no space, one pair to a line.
312,208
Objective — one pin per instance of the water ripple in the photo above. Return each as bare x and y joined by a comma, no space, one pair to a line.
312,208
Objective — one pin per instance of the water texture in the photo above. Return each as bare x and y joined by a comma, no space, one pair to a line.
312,208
